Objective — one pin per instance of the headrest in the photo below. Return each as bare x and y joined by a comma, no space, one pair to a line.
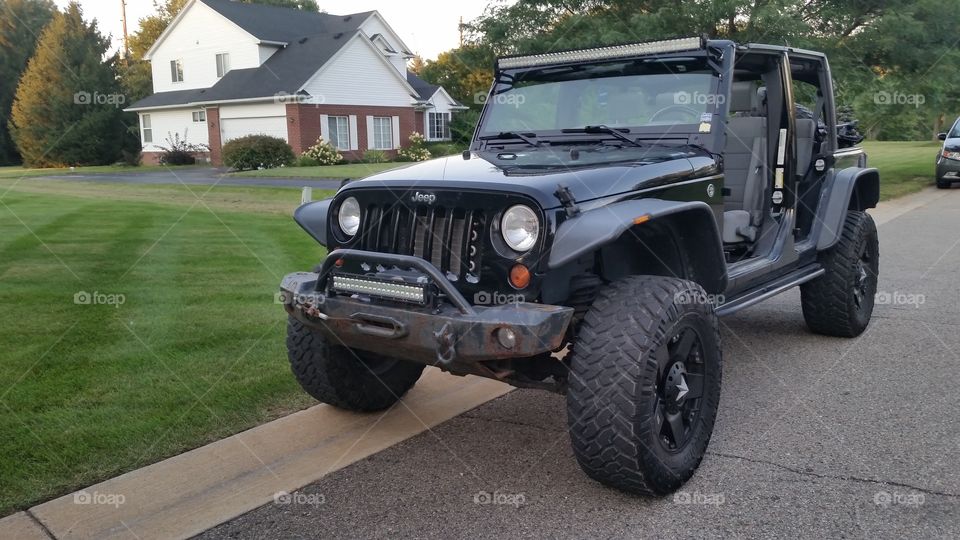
742,96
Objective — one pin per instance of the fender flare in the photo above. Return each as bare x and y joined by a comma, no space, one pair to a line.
853,188
694,222
312,218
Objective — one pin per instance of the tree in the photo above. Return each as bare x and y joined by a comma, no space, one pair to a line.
67,109
21,22
464,73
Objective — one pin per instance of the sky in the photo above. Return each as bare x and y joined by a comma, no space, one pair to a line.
429,27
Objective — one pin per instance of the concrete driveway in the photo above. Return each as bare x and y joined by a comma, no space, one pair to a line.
202,176
816,437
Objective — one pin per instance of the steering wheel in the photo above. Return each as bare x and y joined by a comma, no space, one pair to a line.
683,109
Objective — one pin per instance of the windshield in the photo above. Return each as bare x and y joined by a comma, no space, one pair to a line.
622,95
955,132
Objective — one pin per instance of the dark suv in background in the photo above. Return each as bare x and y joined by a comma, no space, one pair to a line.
948,160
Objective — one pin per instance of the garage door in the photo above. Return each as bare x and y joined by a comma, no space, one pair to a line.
232,128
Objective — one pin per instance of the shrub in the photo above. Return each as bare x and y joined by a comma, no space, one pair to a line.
375,156
131,158
446,148
257,152
323,153
417,151
306,161
178,151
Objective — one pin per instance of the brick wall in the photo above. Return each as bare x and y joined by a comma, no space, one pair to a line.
213,132
304,124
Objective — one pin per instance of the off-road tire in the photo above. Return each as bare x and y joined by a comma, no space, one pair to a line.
612,401
346,378
830,303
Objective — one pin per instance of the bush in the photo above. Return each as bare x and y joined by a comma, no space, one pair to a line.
375,156
131,158
306,161
257,152
178,151
446,148
417,151
323,153
463,125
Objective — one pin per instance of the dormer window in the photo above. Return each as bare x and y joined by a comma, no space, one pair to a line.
223,64
176,71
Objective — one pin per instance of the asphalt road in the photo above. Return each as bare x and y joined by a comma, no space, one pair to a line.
204,177
816,437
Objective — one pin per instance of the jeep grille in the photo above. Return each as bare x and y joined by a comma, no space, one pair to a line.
450,238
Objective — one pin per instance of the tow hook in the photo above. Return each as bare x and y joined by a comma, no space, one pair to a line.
446,344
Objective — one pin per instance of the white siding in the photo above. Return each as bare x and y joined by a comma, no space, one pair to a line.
200,35
266,51
441,104
253,110
374,25
357,77
168,122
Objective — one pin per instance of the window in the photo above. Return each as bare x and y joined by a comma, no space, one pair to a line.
223,64
200,116
338,127
439,126
147,128
176,70
383,132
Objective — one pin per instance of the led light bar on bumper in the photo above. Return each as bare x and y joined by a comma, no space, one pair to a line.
601,53
380,288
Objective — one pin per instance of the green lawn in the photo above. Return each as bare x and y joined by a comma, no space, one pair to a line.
193,353
905,167
351,171
17,171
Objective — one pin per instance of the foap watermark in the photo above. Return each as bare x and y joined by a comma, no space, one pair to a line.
97,298
285,98
500,499
688,297
299,299
886,499
282,498
698,98
96,98
687,497
497,298
512,100
95,497
899,98
897,298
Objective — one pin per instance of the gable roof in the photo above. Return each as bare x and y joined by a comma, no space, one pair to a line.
284,25
284,73
425,90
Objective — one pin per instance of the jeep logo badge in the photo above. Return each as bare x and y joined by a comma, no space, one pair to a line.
428,198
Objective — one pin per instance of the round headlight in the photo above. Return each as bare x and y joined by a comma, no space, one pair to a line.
520,227
349,216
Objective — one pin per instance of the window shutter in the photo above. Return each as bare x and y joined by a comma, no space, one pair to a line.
370,136
396,132
354,140
325,127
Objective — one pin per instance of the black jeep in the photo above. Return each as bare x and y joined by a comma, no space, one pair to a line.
614,203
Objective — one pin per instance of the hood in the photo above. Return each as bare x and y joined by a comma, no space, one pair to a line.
585,183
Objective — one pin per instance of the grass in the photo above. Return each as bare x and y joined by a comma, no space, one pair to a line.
194,352
17,171
337,172
905,167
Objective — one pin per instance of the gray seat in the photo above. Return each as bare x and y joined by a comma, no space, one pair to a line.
744,163
806,133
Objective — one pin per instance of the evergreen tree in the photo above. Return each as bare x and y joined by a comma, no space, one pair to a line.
21,21
68,105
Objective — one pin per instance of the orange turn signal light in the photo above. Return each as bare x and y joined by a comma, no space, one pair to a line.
519,276
642,219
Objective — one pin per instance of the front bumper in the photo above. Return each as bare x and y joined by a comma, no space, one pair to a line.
450,332
948,169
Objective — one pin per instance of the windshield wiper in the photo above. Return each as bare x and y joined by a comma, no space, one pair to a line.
618,133
525,137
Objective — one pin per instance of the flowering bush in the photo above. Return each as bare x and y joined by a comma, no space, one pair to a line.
323,153
417,151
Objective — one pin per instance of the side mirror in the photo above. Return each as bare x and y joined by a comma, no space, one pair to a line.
942,136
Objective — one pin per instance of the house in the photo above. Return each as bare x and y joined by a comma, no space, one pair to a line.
224,69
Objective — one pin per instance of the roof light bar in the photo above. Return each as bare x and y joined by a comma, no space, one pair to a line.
601,53
383,289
